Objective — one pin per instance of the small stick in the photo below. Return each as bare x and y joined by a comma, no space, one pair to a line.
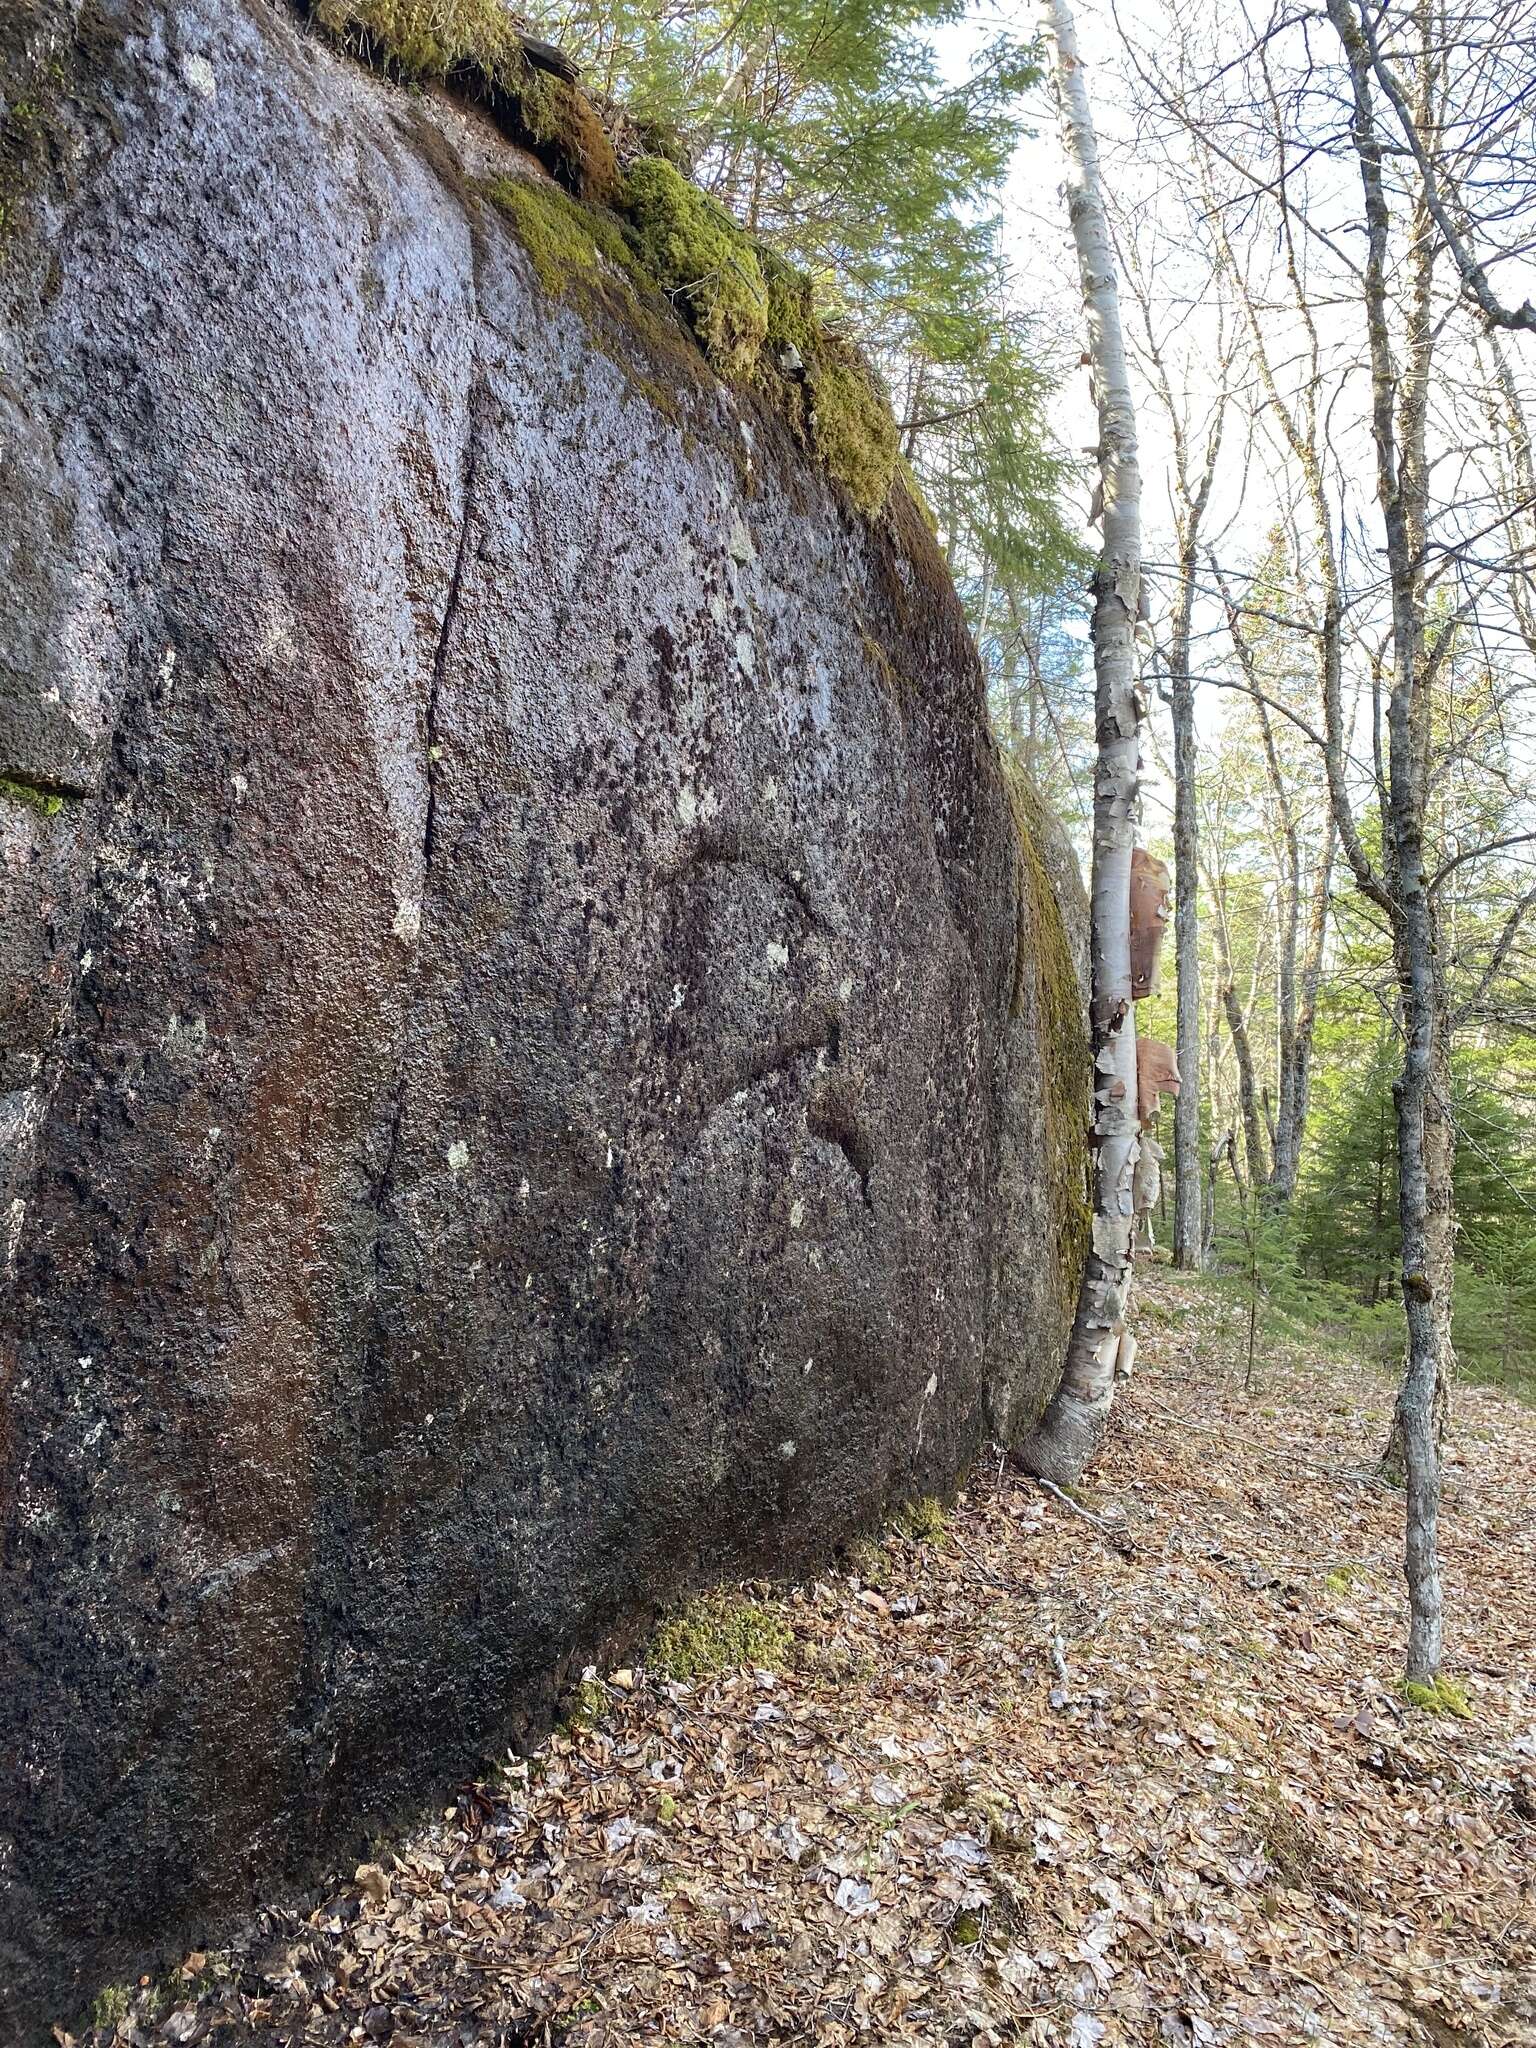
1109,1528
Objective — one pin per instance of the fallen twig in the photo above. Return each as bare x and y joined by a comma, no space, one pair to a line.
1076,1506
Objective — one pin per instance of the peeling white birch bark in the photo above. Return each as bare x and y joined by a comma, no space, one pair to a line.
1072,1426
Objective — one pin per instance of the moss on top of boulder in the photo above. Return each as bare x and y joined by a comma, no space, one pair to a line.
430,38
752,313
702,260
828,390
478,46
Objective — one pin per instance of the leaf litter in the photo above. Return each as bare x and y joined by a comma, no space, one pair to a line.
1139,1775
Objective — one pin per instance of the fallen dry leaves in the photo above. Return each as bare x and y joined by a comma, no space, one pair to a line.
1038,1782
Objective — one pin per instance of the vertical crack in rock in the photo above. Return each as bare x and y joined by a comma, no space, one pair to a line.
445,632
474,403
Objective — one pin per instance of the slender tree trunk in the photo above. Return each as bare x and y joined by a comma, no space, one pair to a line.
1422,1157
1289,1139
1188,1234
1439,1219
1237,1031
1424,1130
1247,1093
1073,1425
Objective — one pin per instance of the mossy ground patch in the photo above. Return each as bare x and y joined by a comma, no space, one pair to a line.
718,1632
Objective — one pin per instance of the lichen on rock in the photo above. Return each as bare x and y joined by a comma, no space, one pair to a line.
527,1105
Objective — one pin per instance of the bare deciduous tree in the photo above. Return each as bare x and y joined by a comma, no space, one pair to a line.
1382,171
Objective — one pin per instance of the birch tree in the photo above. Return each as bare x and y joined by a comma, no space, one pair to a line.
1072,1427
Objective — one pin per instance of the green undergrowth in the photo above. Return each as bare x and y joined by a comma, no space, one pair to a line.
650,229
1441,1695
110,2005
718,1632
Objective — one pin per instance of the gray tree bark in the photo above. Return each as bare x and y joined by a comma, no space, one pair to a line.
1188,1221
1425,1134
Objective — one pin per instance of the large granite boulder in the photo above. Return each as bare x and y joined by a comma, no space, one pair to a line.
536,1062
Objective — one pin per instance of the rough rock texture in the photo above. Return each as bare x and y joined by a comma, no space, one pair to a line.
526,1080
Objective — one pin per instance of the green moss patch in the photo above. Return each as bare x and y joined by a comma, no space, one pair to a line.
39,800
582,254
1441,1696
562,128
587,1704
1064,1048
569,243
854,432
475,46
752,313
923,1521
824,386
702,260
718,1632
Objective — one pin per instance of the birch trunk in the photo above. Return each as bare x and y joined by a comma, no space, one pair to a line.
1072,1427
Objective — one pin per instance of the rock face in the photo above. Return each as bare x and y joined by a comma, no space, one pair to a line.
535,1063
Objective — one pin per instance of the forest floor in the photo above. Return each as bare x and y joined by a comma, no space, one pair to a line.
1028,1777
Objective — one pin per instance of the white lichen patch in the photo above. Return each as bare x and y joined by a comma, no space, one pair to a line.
185,1037
777,955
696,806
796,1213
407,924
198,76
458,1156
